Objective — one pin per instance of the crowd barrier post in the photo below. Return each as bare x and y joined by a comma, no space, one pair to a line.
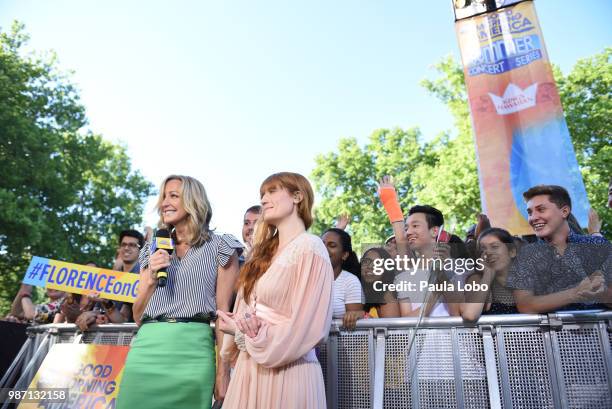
488,332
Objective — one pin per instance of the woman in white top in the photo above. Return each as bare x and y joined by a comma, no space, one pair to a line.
347,295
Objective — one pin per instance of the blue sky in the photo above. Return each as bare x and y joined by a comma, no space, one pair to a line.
230,92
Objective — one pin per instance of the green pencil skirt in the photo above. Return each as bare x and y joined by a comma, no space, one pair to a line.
169,366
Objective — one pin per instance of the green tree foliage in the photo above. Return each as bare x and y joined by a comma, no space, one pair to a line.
443,172
587,102
65,193
347,180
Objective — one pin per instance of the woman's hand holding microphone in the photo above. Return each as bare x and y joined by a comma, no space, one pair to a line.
158,261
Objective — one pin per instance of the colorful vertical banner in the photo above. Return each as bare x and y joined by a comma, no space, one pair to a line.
87,375
521,135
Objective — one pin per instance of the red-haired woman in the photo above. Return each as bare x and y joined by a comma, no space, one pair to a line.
283,309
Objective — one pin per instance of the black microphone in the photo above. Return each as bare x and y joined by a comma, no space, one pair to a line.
163,241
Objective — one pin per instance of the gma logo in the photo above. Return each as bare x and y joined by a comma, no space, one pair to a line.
164,243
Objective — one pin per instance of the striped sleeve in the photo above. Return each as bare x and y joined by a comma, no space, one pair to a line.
227,246
353,294
143,257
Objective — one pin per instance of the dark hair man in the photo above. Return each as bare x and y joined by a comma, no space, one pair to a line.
251,216
422,227
563,269
130,243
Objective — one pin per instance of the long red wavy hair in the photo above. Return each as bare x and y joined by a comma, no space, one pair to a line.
265,240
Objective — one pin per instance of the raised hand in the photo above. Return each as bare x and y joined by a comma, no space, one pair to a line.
342,221
594,225
386,182
482,224
388,197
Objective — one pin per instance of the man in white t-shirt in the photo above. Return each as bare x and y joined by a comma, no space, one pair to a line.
423,230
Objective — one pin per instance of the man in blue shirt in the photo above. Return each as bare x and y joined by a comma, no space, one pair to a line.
562,270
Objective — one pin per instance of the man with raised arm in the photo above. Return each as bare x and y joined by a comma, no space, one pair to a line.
418,238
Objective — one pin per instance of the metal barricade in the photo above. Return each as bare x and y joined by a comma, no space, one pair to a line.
506,361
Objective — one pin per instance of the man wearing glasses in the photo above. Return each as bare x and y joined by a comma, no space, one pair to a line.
105,311
130,243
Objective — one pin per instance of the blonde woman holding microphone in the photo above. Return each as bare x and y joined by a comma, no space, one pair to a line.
171,363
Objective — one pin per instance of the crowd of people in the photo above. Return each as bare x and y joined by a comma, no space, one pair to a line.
274,295
559,267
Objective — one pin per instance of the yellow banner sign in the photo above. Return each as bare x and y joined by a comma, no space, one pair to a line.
80,279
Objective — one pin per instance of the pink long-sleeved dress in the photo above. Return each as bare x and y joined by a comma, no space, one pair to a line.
279,369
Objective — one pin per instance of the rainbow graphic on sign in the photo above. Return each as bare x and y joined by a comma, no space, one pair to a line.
90,373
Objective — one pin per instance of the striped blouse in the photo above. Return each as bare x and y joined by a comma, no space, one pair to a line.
192,280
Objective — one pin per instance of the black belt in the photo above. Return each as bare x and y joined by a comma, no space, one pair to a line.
167,319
